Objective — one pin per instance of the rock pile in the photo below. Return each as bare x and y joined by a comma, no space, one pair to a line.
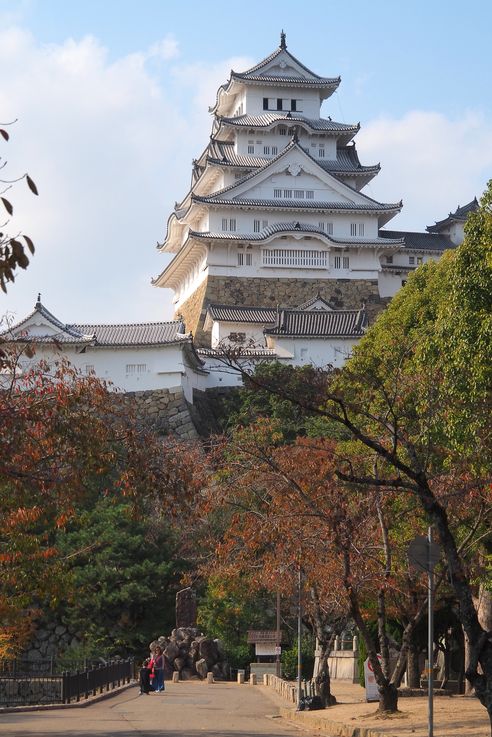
193,655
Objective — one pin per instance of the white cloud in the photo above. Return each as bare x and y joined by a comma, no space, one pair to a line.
434,164
109,144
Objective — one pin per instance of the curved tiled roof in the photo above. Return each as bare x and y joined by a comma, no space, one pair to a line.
130,334
319,324
242,313
292,227
268,119
416,241
459,215
299,204
141,334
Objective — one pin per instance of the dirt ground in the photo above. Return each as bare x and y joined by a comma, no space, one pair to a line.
454,716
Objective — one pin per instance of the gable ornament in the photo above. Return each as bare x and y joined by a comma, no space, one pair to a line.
294,169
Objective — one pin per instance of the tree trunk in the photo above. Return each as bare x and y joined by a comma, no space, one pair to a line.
388,698
413,667
322,681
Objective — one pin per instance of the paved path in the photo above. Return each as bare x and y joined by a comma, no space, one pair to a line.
184,710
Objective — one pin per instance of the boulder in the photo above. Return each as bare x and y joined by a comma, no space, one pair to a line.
202,668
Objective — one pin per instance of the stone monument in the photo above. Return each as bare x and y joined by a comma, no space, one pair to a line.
186,608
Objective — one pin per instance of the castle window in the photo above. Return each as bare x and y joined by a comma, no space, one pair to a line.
266,150
321,153
353,228
411,260
264,223
136,368
277,193
420,260
265,103
256,226
329,228
251,149
287,193
296,106
249,259
240,258
337,262
299,194
89,368
224,224
279,103
361,228
232,225
274,150
321,226
346,262
310,194
389,259
282,130
294,257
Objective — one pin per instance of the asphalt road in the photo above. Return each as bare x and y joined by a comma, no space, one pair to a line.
185,709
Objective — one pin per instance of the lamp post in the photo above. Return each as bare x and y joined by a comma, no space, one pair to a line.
278,644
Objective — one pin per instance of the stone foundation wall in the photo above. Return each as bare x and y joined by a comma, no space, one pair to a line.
30,690
49,639
166,409
341,294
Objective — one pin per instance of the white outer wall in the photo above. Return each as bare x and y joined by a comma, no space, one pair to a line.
319,352
164,365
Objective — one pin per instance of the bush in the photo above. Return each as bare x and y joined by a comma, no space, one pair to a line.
289,660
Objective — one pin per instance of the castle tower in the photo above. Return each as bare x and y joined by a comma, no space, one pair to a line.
276,213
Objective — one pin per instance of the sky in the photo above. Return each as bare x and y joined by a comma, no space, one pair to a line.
110,101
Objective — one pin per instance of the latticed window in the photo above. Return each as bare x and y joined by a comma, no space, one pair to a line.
277,193
337,262
310,194
256,226
346,262
353,228
299,194
294,257
287,193
329,228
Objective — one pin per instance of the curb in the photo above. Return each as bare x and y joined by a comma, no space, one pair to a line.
76,705
329,727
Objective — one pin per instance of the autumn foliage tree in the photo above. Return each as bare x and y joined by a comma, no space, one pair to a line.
66,440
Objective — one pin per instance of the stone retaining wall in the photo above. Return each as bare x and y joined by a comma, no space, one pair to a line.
341,294
166,409
30,690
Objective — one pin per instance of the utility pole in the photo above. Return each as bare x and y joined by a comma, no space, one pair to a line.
278,644
299,635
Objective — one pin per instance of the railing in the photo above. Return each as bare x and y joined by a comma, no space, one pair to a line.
90,682
24,682
294,257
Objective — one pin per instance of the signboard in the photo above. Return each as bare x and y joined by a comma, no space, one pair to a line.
421,553
372,693
278,650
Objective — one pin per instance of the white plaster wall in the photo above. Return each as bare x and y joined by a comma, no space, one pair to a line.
389,284
310,106
316,351
273,137
245,218
221,332
163,365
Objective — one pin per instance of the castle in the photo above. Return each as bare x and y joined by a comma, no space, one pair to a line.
276,248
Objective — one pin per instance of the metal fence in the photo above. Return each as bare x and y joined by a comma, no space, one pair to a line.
22,684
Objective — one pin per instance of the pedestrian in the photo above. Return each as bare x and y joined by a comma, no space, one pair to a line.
145,672
158,670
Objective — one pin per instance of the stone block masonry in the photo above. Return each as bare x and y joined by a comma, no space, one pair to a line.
341,294
166,410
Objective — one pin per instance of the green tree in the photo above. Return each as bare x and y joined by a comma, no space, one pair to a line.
123,574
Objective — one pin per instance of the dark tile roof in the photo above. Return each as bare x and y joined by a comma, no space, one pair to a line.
131,334
319,324
278,79
242,313
292,227
239,352
459,215
300,204
267,119
282,51
136,334
416,241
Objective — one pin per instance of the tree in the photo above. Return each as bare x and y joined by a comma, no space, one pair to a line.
12,248
122,575
415,399
65,440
